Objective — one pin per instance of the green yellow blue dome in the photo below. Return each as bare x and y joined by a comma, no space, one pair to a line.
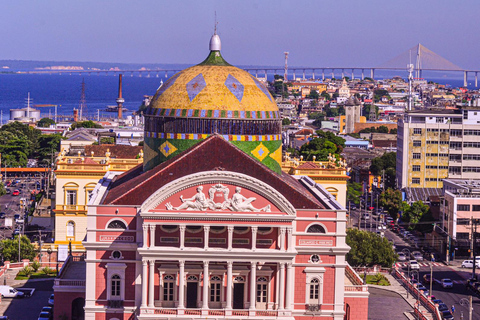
213,97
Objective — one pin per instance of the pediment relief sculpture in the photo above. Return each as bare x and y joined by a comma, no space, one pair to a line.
200,202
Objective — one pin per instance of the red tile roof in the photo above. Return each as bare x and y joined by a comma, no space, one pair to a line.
214,153
116,151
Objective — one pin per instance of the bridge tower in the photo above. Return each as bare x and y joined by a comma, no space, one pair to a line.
83,102
410,80
285,74
418,66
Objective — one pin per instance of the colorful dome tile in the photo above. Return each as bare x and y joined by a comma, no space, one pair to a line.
235,87
195,86
260,152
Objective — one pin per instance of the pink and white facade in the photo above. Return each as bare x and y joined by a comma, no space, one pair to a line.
224,239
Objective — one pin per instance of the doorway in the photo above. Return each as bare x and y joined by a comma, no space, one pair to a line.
192,294
78,312
238,294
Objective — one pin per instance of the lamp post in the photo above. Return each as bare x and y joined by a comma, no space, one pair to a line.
49,251
469,304
418,292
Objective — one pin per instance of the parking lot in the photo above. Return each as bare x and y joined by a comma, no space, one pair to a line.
29,307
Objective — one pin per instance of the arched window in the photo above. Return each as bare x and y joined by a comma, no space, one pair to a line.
192,278
314,289
239,279
316,228
264,230
115,281
215,288
117,224
71,229
168,287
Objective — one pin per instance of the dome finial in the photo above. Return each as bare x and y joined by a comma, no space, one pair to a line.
215,43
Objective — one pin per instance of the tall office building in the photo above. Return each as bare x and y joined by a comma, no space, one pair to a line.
434,144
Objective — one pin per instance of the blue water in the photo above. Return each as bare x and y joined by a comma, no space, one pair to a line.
65,91
102,90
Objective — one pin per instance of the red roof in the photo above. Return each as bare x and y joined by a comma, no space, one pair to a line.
308,165
214,153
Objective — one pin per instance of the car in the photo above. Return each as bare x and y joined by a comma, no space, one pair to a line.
48,309
44,316
16,216
447,315
16,192
417,255
8,191
426,278
2,215
446,283
421,287
51,300
9,292
442,307
413,264
401,256
366,216
465,263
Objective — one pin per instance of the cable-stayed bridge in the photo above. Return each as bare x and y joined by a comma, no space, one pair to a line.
421,57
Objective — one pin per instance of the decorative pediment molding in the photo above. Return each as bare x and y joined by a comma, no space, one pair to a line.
219,177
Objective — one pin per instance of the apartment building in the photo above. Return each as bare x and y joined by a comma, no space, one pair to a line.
434,144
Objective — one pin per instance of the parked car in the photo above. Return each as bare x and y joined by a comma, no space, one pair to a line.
446,283
401,256
465,263
47,309
423,288
414,265
44,316
442,307
366,216
447,315
2,215
51,300
9,292
15,192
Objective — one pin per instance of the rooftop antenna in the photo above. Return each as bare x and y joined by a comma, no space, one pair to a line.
216,22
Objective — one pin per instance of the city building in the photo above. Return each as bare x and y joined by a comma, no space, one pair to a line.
434,144
75,178
210,226
353,111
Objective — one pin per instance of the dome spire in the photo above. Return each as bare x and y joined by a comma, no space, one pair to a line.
215,43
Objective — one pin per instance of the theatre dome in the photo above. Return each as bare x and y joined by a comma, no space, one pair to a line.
212,97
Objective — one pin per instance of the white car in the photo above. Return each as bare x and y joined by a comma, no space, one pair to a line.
401,256
469,264
414,265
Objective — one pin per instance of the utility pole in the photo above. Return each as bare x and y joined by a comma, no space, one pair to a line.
474,230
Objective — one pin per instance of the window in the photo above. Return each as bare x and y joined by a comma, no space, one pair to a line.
417,156
217,229
314,289
456,132
416,168
463,207
116,255
264,230
215,288
417,143
432,142
471,157
262,289
455,157
316,228
471,144
115,286
475,207
241,230
471,133
471,169
440,120
116,224
71,197
455,170
168,286
71,229
315,258
194,229
415,180
417,131
168,228
462,221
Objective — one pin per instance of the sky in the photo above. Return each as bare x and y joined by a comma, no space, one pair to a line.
316,33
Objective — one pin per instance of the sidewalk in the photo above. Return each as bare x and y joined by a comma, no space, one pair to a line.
9,278
395,286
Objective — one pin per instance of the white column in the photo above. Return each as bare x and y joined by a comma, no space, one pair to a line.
182,236
161,285
151,286
290,239
229,285
254,238
152,235
205,285
253,284
289,289
281,296
282,238
145,235
144,283
181,285
230,237
206,234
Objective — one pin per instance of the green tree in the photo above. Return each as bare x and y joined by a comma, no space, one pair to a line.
9,249
393,131
48,144
107,140
354,191
85,124
320,147
368,249
391,201
286,122
313,94
45,123
382,129
326,95
415,212
385,165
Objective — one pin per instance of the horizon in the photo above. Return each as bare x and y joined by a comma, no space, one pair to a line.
315,33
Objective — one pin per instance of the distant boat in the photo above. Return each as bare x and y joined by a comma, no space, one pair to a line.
114,109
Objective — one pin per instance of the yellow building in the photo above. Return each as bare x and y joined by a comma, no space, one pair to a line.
75,179
319,87
342,123
333,177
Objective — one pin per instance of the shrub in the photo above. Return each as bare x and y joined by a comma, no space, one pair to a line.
35,266
26,271
47,270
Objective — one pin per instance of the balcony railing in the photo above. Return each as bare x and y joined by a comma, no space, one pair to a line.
361,288
210,312
115,303
69,283
71,207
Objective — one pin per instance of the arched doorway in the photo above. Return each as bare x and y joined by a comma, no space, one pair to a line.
78,313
